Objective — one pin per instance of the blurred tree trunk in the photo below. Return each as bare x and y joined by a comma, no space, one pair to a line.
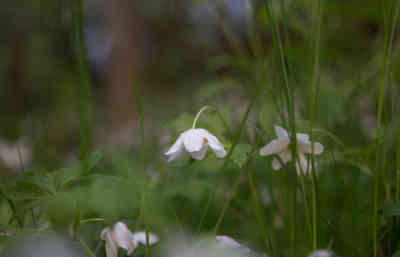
123,62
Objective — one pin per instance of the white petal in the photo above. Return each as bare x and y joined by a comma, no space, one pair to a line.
274,147
226,241
281,132
176,155
177,146
105,233
304,164
286,155
193,139
199,155
276,165
214,144
318,148
302,138
122,236
111,247
140,237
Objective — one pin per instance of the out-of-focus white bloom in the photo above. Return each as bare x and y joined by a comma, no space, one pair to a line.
322,253
187,246
13,155
280,146
195,142
226,241
121,236
140,237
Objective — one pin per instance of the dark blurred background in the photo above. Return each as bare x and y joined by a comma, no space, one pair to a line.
174,48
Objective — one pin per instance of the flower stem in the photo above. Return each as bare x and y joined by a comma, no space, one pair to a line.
211,108
198,115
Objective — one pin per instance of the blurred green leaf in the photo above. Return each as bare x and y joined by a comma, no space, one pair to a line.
241,154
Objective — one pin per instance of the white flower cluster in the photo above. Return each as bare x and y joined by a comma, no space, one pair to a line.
196,141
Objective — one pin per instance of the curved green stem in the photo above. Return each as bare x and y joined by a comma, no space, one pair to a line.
93,220
211,108
198,115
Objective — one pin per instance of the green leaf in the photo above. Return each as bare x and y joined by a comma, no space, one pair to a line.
241,154
29,190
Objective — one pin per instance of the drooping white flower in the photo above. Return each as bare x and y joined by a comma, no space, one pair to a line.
121,236
280,146
195,142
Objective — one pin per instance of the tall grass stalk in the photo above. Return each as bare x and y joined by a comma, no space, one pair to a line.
258,209
227,159
84,90
306,203
289,95
389,35
143,157
317,11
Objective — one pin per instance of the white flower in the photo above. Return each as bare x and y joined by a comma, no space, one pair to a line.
196,142
226,241
121,236
281,147
322,253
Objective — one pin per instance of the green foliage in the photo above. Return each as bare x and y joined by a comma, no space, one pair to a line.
282,71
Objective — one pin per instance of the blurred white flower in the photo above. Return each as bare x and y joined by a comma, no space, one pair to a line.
13,155
196,142
280,146
187,246
226,241
322,253
121,236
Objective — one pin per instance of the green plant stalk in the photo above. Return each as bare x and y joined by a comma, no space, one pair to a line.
258,210
227,158
317,6
306,203
397,170
384,79
84,89
292,127
226,205
397,165
90,252
142,147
